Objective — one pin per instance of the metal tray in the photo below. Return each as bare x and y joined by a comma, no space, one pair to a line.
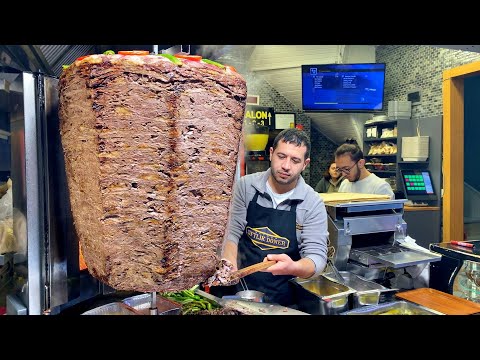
320,295
391,255
366,292
393,308
116,308
142,303
250,307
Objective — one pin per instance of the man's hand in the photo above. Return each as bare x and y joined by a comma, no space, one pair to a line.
303,268
223,275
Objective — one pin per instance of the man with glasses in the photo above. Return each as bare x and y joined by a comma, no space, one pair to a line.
350,162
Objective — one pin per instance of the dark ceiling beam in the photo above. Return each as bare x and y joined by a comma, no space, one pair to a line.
15,57
62,55
35,55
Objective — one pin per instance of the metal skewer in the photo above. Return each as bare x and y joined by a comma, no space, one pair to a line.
153,305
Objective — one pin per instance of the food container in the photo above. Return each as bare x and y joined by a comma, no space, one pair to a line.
320,295
393,308
142,303
115,308
366,292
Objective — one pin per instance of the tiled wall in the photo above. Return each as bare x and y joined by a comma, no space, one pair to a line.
322,154
409,68
419,67
321,146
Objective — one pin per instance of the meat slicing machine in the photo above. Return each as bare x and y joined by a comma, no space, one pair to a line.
365,238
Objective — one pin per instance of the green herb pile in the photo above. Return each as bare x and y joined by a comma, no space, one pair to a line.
191,302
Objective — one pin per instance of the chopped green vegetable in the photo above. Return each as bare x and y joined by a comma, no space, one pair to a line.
65,67
172,59
213,63
190,301
109,52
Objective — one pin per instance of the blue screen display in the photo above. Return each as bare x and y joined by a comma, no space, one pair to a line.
343,87
417,182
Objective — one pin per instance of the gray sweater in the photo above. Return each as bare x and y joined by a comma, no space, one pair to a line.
312,233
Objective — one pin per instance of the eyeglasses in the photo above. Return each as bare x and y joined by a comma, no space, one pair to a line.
346,170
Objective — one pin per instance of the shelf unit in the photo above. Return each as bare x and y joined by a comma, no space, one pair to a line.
388,165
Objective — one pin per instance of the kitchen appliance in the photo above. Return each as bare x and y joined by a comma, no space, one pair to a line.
48,278
365,238
255,139
457,272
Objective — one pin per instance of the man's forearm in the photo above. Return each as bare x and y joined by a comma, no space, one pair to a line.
306,268
229,252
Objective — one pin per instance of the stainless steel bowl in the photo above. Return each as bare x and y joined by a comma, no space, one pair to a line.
251,295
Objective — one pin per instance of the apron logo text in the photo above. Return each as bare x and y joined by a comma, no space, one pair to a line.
266,239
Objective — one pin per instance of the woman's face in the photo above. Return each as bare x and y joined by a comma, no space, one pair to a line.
333,173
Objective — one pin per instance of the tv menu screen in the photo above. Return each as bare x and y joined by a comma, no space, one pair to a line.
343,87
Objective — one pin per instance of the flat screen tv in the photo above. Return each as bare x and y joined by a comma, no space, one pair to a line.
343,87
418,185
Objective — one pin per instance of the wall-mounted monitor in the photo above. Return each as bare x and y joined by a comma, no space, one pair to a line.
418,185
343,87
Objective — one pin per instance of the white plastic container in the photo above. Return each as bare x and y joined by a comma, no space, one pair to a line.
399,110
415,148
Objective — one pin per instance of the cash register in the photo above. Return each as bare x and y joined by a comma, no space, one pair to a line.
421,210
418,186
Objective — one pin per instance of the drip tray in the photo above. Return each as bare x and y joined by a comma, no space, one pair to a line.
391,255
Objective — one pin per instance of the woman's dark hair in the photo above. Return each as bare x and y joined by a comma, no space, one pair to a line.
293,136
350,148
326,173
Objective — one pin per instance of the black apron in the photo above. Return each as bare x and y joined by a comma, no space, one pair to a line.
269,231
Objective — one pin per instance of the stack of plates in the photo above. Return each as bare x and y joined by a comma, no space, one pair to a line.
415,148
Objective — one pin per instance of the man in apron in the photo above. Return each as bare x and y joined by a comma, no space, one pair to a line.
275,215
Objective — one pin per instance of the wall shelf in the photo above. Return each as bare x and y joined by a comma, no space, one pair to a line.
377,129
414,162
380,123
382,155
372,139
384,171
